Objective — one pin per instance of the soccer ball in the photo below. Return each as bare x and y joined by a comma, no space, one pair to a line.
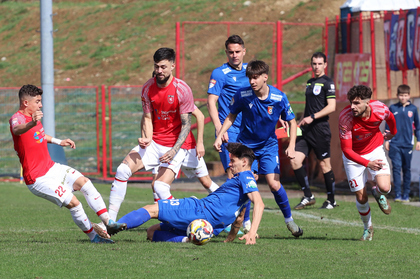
199,232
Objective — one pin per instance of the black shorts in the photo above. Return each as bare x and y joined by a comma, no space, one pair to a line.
317,138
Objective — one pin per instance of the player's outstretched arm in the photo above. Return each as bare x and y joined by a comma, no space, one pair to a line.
230,119
65,142
200,132
235,226
251,236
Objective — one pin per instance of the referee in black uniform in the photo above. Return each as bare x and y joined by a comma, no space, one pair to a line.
316,134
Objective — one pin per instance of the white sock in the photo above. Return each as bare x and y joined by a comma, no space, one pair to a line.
82,221
213,187
95,201
162,190
364,211
118,190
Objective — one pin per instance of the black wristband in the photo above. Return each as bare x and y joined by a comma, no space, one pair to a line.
313,116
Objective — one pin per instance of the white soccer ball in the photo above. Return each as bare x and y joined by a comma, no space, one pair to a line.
199,232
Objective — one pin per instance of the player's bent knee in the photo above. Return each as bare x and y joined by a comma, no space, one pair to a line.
123,172
78,184
72,203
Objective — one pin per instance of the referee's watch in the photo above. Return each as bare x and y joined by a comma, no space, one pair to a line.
313,116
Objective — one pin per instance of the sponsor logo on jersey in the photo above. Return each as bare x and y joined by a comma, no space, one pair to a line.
171,99
317,90
290,110
250,105
332,86
212,83
226,70
270,110
38,137
395,113
410,114
276,97
251,184
246,93
234,78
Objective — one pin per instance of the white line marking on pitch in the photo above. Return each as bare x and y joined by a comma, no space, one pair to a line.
347,223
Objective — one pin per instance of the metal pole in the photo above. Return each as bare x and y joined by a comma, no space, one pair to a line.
47,67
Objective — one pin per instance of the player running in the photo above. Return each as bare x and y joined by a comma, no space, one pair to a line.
363,152
53,181
167,142
261,106
220,208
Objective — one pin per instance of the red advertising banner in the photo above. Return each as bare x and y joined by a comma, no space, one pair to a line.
350,69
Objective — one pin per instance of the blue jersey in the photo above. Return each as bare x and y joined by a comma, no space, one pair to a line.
405,118
223,205
224,82
260,117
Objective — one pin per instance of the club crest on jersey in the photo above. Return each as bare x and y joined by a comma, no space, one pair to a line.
171,99
317,89
410,114
270,110
212,83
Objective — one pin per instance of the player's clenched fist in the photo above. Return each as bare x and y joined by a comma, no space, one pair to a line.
37,115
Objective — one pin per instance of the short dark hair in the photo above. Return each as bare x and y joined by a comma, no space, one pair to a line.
403,88
164,53
359,91
234,39
29,90
319,54
241,151
257,68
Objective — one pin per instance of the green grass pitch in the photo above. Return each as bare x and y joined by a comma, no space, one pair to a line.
40,240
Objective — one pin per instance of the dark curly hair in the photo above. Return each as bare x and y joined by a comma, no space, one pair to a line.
29,90
359,91
241,151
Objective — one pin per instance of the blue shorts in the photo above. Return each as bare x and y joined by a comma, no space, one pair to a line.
268,159
179,213
224,155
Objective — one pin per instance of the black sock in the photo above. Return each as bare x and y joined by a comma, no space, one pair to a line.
330,185
302,179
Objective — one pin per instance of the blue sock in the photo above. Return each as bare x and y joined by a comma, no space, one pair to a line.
135,218
248,208
167,236
283,202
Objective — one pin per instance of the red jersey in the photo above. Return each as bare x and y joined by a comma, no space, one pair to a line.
166,106
360,136
31,148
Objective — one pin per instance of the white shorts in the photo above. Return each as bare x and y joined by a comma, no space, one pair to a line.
56,185
191,166
151,154
357,174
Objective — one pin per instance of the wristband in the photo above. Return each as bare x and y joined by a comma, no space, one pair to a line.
313,116
56,141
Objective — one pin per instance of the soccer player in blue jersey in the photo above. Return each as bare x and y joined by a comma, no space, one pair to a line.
222,207
262,105
224,82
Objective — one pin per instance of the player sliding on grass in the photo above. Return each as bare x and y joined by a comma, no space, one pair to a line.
261,106
49,180
361,143
222,207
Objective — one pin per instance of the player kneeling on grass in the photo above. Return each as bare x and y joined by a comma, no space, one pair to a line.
363,152
222,207
49,180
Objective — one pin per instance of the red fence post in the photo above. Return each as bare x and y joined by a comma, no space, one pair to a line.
103,110
360,33
279,55
177,48
326,37
373,51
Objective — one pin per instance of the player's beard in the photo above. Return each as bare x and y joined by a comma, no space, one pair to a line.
162,81
361,113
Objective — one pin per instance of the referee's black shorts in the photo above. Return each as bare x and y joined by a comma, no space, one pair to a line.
317,138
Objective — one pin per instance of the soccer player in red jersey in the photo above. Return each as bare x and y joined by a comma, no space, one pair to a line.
363,152
49,180
166,140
